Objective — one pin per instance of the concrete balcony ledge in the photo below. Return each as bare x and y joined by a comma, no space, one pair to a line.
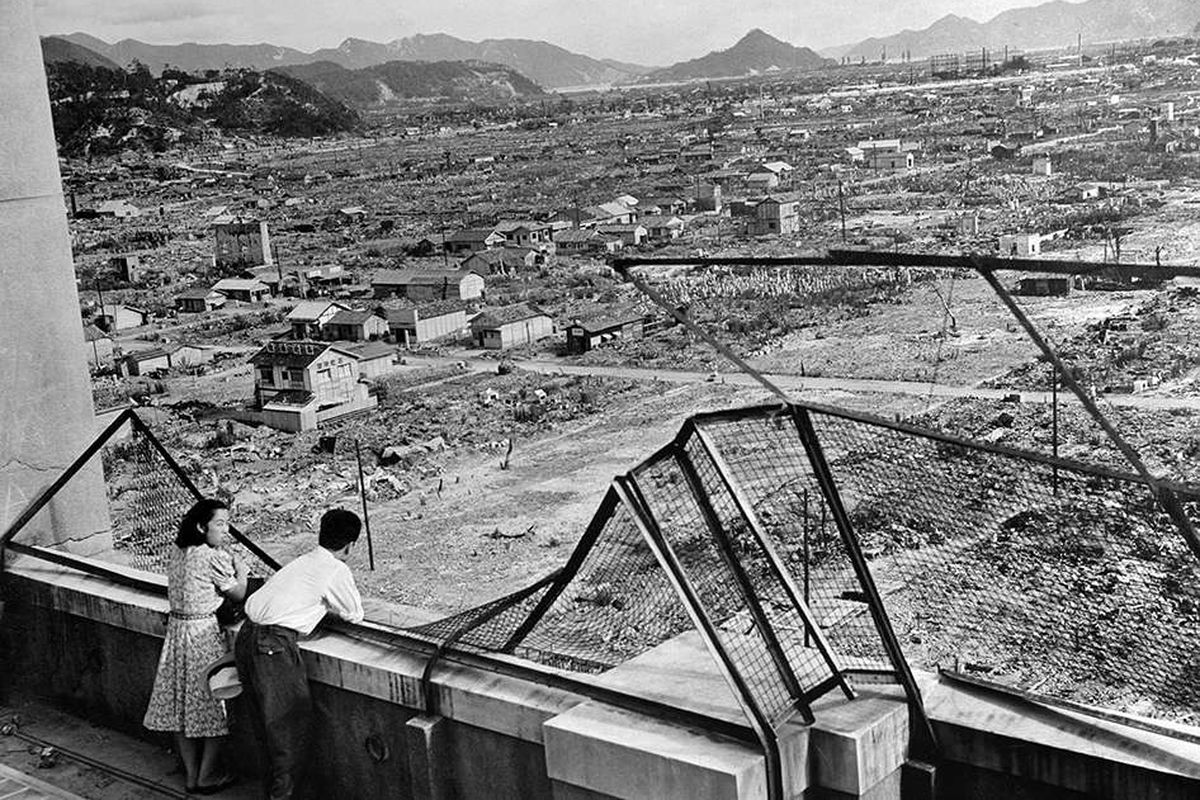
1070,754
387,672
854,749
93,645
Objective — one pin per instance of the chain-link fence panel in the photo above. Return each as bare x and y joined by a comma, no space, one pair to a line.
675,504
762,452
128,494
611,603
1062,579
771,584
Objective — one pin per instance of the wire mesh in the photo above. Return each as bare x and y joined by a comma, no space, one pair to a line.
788,625
679,516
1067,581
1048,576
129,490
765,456
618,605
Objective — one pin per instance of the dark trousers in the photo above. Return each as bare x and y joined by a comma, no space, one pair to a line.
275,689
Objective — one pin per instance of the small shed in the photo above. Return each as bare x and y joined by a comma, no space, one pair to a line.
1043,285
414,324
199,300
356,326
243,290
584,335
1020,245
120,317
511,326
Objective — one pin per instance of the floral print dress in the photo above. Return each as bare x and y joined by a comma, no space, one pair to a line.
180,700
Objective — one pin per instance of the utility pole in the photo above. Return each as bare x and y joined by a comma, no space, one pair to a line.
362,490
842,208
100,298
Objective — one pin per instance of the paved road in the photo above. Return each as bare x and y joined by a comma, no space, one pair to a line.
794,384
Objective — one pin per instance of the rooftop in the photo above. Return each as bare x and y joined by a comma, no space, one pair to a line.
505,315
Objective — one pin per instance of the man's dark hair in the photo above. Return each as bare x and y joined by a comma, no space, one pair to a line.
191,527
339,528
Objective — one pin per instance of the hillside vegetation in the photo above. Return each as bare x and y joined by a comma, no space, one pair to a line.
98,110
396,81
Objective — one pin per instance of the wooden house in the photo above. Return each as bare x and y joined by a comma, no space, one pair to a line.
511,326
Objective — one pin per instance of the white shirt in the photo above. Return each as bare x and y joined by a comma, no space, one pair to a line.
299,594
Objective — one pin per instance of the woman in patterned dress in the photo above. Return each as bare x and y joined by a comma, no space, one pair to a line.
199,575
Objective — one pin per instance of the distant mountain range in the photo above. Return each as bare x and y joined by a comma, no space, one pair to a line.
378,86
754,54
545,64
1054,24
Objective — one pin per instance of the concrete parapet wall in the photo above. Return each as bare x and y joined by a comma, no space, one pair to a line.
93,646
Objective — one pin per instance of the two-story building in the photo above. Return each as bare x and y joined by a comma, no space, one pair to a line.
775,215
300,384
886,154
521,233
242,243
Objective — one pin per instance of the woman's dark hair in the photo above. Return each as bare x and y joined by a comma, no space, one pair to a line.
191,527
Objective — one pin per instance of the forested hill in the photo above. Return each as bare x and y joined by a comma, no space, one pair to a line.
386,84
99,110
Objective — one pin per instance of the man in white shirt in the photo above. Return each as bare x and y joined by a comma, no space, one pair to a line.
289,605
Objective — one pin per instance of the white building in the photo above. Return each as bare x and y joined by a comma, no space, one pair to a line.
1020,245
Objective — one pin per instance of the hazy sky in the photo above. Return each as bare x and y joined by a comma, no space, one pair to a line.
654,32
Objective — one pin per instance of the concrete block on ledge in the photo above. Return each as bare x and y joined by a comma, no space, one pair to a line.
858,744
630,756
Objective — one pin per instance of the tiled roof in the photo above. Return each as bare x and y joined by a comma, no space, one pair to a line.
199,293
150,355
239,285
349,317
367,351
92,334
420,277
471,235
574,235
608,321
310,310
504,315
508,226
289,354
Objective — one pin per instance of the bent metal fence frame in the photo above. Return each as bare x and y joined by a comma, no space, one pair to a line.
806,548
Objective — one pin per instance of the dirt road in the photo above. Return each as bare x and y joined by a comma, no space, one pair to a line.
797,386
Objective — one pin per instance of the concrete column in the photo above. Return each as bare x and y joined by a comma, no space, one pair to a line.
426,736
46,417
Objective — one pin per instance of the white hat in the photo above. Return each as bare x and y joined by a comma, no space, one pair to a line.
223,680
